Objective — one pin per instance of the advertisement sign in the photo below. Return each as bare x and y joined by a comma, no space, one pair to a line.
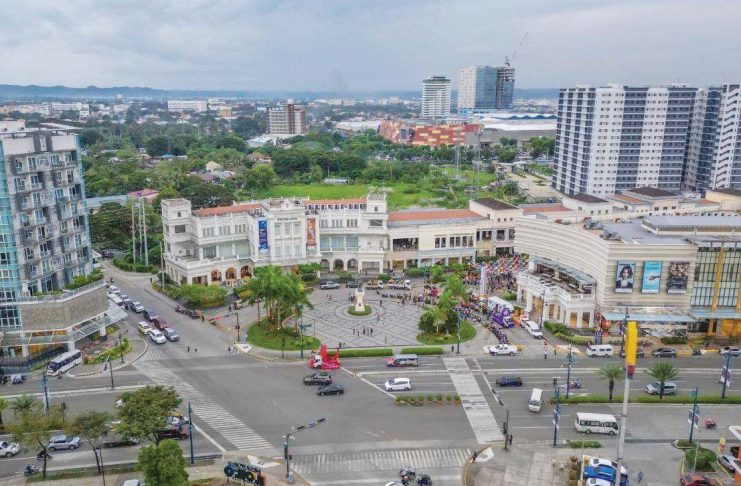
624,276
651,277
262,230
311,233
678,276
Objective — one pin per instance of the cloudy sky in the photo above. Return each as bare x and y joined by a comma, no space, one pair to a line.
365,44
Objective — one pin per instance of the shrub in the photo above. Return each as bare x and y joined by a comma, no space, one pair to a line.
420,398
82,280
449,398
682,444
700,457
344,277
134,267
674,340
575,399
415,272
384,277
439,397
370,352
430,398
457,398
366,310
510,296
587,444
200,296
431,350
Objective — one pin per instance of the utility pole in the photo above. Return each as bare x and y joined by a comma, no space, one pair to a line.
694,412
144,225
631,349
505,426
162,268
190,434
46,393
725,374
133,233
556,412
569,360
289,436
110,368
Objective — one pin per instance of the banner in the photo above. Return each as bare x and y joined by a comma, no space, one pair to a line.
678,276
624,276
262,230
651,277
311,233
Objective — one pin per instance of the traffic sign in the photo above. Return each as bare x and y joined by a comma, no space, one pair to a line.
696,417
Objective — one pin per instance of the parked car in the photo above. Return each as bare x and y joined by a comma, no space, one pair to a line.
729,462
329,285
598,461
157,336
730,350
177,433
9,449
63,442
670,388
149,314
125,299
144,327
597,482
112,289
160,323
318,378
695,479
500,349
664,353
640,353
177,420
374,284
136,306
509,381
604,472
398,384
171,334
332,389
353,284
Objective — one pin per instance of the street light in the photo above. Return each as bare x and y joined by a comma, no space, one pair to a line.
110,367
623,327
190,434
569,360
102,466
289,436
725,374
556,412
542,307
505,426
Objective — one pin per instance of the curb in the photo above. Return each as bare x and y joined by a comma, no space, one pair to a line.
146,346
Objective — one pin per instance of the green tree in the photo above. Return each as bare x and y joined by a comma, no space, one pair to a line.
163,464
699,457
23,404
34,427
157,146
259,178
144,412
611,372
90,137
427,322
3,405
662,372
202,295
91,426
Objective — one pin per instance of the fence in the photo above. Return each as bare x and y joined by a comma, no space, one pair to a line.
24,363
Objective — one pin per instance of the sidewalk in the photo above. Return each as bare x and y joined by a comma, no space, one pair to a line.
138,348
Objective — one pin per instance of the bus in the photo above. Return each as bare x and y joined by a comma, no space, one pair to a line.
596,422
495,302
64,362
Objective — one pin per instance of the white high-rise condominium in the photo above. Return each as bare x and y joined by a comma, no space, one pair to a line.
482,88
436,97
288,119
672,137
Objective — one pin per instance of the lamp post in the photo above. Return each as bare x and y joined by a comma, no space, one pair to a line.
110,368
190,434
289,436
458,348
693,412
505,426
542,307
725,374
102,466
569,360
623,326
556,412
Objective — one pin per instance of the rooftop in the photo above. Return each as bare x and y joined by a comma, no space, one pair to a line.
587,198
495,204
432,216
729,191
218,211
356,200
651,192
544,208
635,233
629,199
695,222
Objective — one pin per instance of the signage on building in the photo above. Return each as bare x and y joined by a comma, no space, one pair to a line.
262,230
310,233
624,276
651,277
678,276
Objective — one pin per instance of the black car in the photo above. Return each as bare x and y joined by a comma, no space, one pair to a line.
639,353
150,314
332,389
664,353
178,433
509,381
319,378
353,284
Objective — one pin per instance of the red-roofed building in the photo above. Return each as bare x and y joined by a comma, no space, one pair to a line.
425,133
146,194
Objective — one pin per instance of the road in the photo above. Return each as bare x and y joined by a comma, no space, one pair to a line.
243,404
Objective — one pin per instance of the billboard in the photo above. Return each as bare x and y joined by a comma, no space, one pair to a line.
678,276
651,277
311,233
624,276
262,231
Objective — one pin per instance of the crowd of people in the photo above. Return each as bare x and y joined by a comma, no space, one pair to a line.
502,273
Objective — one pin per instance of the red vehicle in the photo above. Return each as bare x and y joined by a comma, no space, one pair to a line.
324,361
160,323
177,432
695,480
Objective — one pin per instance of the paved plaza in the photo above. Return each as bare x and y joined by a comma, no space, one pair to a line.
391,323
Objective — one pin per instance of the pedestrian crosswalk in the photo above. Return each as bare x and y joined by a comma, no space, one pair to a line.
422,459
222,421
534,348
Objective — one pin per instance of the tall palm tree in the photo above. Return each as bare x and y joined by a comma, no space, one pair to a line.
662,372
294,296
455,287
23,404
611,372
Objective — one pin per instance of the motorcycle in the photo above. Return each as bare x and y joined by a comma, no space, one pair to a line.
575,385
41,454
407,474
179,310
424,480
710,424
30,470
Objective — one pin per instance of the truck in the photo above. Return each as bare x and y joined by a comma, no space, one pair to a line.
374,284
399,284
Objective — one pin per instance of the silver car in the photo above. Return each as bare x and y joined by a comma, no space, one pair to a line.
63,442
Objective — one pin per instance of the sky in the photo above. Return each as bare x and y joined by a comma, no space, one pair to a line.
368,45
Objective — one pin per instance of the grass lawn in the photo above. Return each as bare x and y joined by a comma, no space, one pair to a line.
402,195
467,333
258,335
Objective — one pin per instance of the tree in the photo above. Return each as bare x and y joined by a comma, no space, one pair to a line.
91,426
427,322
35,427
163,464
157,146
259,178
662,372
3,405
90,137
144,412
611,372
23,403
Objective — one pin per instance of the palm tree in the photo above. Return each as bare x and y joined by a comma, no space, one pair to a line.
662,372
3,405
455,287
294,296
23,404
611,372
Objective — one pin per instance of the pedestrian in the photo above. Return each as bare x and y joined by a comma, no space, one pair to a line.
555,349
378,318
545,353
203,318
371,331
188,348
475,455
452,349
381,302
363,331
195,350
639,477
510,443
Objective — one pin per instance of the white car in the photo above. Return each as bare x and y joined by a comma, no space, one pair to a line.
136,306
500,349
598,461
9,449
597,482
157,336
730,350
398,384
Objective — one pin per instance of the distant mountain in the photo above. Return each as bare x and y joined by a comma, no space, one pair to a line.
45,93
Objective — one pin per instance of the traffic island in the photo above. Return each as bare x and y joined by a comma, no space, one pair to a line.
263,335
354,312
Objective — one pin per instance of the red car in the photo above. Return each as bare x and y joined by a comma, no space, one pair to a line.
695,480
160,323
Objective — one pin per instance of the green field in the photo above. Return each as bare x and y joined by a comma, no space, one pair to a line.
401,195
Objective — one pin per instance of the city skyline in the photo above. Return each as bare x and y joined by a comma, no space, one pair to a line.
288,46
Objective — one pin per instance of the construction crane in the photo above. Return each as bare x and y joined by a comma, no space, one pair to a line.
512,56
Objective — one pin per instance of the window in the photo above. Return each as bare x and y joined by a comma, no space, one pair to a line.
352,223
240,228
29,253
19,184
207,232
440,241
209,251
278,230
375,223
297,228
323,223
179,228
224,230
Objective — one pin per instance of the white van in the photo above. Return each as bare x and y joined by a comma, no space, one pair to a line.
114,290
116,299
600,350
494,302
533,329
536,400
596,423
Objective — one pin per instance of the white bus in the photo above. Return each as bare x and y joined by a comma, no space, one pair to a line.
598,423
64,362
495,301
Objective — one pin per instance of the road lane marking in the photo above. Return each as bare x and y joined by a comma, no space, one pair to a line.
87,391
375,480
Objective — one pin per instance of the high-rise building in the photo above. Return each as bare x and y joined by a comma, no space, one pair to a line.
197,106
288,119
482,88
436,97
505,87
44,245
672,137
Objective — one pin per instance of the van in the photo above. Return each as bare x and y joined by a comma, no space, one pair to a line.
402,360
533,329
536,400
116,299
114,290
588,423
599,350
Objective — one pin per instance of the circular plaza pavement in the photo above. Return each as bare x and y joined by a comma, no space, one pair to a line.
392,324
